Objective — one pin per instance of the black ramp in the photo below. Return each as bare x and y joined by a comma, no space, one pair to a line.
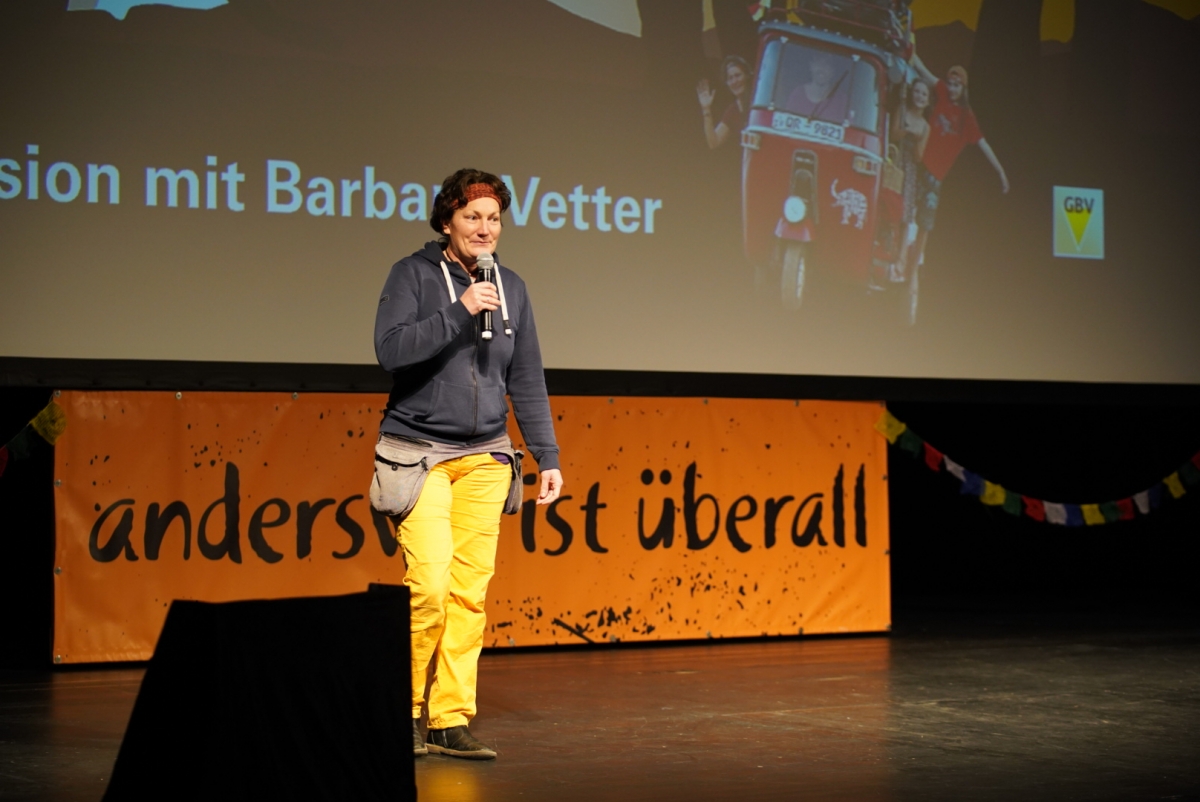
284,699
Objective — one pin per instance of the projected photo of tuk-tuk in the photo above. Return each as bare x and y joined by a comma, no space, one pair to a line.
820,187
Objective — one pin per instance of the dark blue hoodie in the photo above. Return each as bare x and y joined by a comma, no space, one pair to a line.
448,384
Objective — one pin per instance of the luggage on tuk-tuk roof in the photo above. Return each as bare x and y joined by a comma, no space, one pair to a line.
884,23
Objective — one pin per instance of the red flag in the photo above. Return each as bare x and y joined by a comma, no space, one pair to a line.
1125,508
1034,508
1196,459
933,458
3,459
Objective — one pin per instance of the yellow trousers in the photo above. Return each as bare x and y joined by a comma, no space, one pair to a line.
449,542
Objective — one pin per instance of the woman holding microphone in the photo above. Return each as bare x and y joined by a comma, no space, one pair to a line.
445,468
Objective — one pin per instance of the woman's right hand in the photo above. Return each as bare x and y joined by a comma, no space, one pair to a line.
705,94
480,296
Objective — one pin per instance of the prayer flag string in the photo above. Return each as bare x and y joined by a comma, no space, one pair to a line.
1175,485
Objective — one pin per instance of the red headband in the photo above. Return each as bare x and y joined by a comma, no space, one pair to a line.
476,191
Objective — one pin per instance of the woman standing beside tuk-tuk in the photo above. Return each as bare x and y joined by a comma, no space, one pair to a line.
911,132
737,80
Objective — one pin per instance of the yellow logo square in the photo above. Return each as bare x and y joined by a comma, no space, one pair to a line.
1079,223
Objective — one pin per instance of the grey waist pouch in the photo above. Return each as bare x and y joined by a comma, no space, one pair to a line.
403,463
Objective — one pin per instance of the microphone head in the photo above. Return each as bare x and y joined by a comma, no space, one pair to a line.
485,261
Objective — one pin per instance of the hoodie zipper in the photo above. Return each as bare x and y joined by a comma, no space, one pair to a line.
474,376
475,381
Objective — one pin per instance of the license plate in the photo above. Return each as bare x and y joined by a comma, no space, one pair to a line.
793,124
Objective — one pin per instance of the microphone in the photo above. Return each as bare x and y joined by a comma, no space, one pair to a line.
486,263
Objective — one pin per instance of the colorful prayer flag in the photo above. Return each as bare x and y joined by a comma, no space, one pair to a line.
1174,485
1091,514
50,422
933,458
1142,500
22,444
954,469
1056,513
993,494
1156,494
1111,511
1190,475
3,459
1034,508
1074,515
1125,509
910,443
889,427
972,484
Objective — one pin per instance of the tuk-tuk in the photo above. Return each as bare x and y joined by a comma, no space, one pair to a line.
818,184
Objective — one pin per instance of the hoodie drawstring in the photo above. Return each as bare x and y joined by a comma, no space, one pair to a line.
449,282
503,303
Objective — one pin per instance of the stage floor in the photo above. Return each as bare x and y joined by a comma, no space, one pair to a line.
965,707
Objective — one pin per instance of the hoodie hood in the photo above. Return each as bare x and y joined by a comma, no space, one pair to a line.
433,252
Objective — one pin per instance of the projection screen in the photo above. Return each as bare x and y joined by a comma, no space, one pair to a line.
231,181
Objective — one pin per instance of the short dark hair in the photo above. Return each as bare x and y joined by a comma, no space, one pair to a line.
453,195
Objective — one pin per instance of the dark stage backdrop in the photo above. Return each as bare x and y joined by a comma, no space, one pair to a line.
230,181
948,546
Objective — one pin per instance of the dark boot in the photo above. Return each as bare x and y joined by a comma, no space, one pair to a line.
419,747
459,742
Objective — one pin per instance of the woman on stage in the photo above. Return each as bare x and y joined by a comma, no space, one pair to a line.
444,466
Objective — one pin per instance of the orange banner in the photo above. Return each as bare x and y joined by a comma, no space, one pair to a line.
681,518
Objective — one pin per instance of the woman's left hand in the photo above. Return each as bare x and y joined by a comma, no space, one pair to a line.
552,483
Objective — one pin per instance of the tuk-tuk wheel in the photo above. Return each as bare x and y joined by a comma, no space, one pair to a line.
794,264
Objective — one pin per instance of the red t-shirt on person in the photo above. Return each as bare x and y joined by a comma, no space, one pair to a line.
953,127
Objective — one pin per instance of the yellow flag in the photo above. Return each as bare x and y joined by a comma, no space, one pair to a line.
1174,485
993,494
1091,514
889,427
50,422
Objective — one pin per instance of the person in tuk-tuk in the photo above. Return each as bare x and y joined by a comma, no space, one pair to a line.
737,80
953,127
825,95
